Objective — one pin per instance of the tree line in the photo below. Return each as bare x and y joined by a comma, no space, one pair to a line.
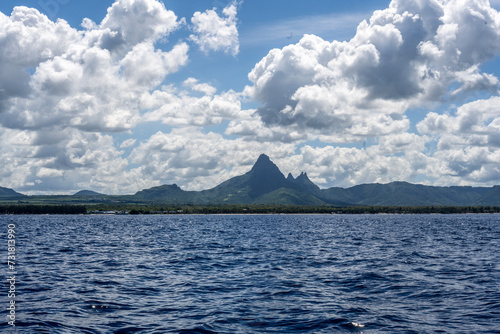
30,209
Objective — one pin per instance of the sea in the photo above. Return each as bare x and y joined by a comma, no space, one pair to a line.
204,274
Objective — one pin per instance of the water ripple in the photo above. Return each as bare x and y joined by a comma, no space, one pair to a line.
258,274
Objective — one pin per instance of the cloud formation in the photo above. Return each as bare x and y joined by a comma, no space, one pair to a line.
187,108
468,143
215,33
90,79
405,56
398,101
63,89
135,21
353,166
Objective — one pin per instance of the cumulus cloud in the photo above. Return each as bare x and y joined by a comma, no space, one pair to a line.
176,107
346,167
67,160
28,38
215,33
79,79
128,143
250,126
468,143
62,89
475,118
405,56
134,21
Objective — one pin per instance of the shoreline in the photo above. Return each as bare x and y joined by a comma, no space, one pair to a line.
302,210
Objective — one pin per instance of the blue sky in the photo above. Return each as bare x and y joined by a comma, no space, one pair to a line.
117,96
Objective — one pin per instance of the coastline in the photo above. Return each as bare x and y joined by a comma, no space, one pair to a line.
158,209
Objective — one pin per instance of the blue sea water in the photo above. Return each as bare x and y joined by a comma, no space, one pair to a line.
255,274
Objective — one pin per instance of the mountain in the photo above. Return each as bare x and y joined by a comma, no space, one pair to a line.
264,178
304,183
88,193
171,194
7,192
491,197
407,194
265,184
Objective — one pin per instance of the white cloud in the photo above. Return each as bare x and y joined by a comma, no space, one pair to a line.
186,108
128,143
466,165
215,33
79,83
249,125
468,143
475,118
66,88
406,56
66,161
346,167
472,80
401,143
28,38
136,21
146,67
194,85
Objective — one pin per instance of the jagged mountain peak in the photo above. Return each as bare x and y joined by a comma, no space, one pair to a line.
263,161
265,167
304,181
263,158
302,175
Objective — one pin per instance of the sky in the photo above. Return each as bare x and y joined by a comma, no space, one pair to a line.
119,96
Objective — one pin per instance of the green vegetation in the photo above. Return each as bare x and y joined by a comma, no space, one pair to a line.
134,209
304,209
43,209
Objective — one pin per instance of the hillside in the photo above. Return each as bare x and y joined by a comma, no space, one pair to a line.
407,194
171,194
7,192
88,193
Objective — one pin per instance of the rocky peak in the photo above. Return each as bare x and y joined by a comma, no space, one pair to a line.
264,167
304,181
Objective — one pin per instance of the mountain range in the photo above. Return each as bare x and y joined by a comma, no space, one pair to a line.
265,184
